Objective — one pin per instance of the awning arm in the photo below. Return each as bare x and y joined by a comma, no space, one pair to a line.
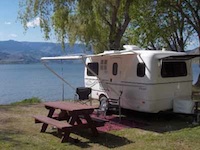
58,76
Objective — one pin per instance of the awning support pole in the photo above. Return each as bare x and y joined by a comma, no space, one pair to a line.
58,76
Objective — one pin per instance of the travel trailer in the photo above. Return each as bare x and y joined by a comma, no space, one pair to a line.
143,80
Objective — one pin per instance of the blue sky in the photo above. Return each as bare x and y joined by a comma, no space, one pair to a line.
12,29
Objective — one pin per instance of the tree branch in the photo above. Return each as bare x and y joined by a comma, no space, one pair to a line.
179,8
105,19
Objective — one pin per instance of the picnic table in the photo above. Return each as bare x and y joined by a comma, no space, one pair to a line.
76,116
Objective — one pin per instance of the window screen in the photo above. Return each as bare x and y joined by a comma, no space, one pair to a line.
94,67
103,65
140,69
173,69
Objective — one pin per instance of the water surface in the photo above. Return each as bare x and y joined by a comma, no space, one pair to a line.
21,81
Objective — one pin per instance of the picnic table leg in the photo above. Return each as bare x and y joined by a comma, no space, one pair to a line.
91,125
78,120
44,126
63,115
65,137
73,119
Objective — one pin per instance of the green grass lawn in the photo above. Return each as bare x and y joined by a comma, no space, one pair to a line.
164,132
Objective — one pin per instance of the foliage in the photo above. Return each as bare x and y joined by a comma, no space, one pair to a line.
108,24
99,23
161,26
190,10
33,100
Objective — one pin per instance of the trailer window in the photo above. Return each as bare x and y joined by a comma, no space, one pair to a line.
173,69
140,69
115,69
103,65
94,67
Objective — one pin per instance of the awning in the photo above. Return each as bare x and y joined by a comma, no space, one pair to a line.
81,56
66,57
180,57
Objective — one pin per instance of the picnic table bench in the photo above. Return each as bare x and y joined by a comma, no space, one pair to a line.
72,117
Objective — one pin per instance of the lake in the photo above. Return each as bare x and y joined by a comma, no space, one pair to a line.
22,81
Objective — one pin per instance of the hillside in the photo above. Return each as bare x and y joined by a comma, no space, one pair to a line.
31,52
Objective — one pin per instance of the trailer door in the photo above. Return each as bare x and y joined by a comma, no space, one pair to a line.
115,77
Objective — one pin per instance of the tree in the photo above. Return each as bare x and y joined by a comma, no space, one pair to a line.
190,10
161,26
108,24
101,23
176,24
147,31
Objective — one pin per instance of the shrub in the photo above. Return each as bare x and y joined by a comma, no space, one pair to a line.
32,100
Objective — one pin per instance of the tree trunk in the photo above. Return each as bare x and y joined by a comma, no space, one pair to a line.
117,30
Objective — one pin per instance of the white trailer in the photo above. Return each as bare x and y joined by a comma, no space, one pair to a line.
150,81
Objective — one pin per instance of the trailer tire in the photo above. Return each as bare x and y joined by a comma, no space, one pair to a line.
103,100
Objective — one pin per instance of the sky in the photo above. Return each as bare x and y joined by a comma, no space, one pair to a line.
12,29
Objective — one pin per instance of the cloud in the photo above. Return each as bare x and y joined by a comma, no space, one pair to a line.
34,23
7,22
13,35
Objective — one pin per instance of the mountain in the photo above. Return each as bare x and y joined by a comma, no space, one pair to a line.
31,52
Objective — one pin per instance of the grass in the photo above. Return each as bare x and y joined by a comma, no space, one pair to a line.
154,132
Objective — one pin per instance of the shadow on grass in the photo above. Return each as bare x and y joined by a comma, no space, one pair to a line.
159,122
9,138
104,138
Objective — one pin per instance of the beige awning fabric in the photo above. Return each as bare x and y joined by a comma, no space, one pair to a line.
66,57
180,57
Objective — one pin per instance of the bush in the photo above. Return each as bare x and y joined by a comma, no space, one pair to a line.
32,100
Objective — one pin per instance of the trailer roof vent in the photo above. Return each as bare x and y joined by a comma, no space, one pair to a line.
131,47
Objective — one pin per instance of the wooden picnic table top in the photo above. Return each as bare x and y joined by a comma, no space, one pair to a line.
73,113
69,106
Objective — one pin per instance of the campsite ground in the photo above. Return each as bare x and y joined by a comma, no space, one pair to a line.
151,131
